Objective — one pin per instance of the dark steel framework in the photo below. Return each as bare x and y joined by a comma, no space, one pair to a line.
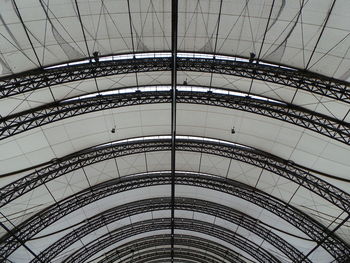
334,245
229,236
179,260
185,204
180,253
10,233
157,253
319,123
116,255
299,79
272,163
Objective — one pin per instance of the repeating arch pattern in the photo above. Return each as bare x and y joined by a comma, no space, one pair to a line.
298,79
314,230
37,117
189,204
180,253
192,225
280,67
300,175
115,255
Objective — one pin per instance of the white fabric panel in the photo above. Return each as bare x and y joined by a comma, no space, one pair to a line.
320,255
106,26
21,255
331,56
67,136
238,204
15,47
151,25
57,36
52,34
30,100
282,139
27,205
25,101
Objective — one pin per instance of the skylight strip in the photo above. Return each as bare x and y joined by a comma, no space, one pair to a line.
167,88
168,171
168,137
162,55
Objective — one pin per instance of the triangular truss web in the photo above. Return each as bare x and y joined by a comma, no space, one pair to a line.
174,131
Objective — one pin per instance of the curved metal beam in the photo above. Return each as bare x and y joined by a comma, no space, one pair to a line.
317,232
115,255
164,203
289,170
319,123
198,226
165,253
180,260
162,242
299,79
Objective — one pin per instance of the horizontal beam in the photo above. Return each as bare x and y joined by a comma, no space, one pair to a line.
212,230
116,255
150,205
47,114
291,171
299,79
335,246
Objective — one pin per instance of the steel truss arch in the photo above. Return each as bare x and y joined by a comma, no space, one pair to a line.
317,232
180,253
115,255
319,123
193,225
299,79
175,260
289,170
155,204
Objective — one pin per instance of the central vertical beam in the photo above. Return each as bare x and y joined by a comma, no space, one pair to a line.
174,13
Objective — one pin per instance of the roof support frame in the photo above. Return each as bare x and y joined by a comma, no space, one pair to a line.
289,170
92,248
10,232
299,79
158,253
114,255
310,227
325,239
185,204
319,123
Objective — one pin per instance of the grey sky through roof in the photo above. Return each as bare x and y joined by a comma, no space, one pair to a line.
102,160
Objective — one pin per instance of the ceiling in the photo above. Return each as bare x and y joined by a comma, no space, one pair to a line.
262,150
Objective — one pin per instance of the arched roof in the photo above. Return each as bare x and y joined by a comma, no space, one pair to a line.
102,160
